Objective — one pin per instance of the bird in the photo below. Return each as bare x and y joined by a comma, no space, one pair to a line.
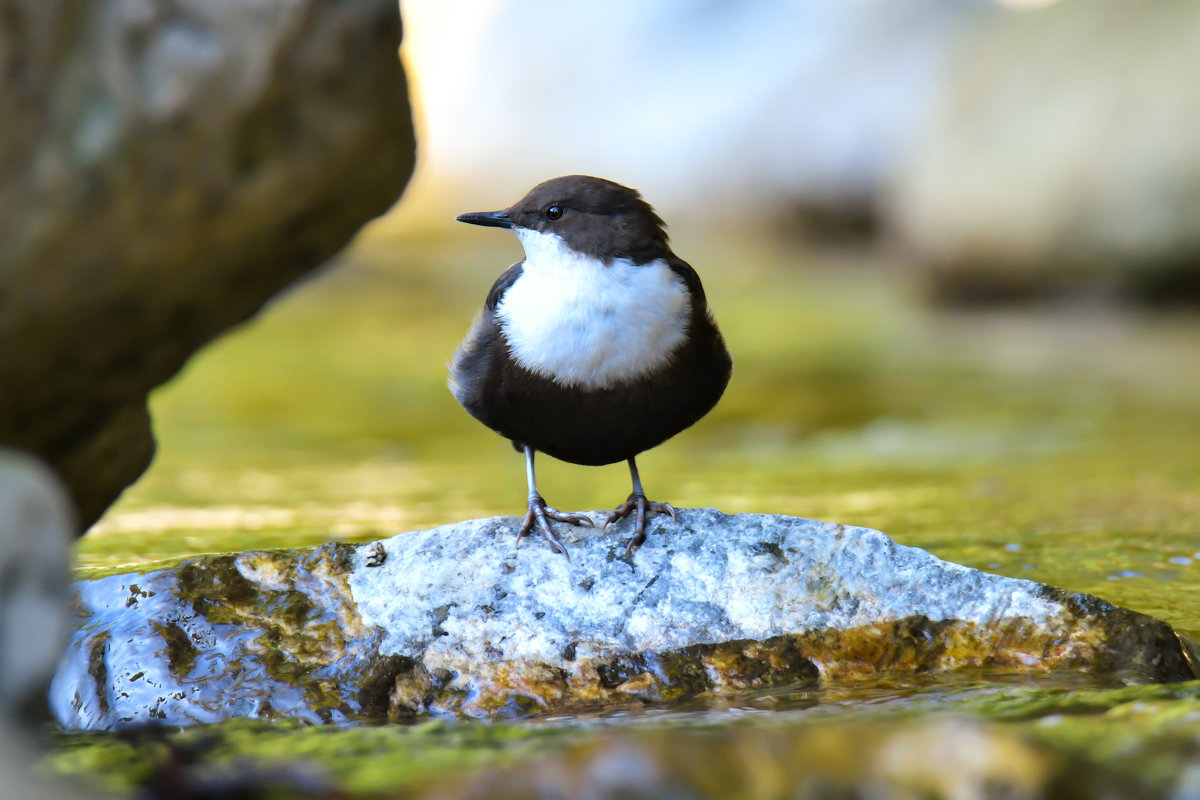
596,347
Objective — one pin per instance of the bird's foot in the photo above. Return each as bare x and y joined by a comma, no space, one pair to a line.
638,502
540,514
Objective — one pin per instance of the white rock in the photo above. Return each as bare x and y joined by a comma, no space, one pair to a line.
454,621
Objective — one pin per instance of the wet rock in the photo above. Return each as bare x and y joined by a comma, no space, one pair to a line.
264,635
165,168
1058,158
452,621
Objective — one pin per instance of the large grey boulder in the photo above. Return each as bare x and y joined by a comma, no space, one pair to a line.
1060,152
454,621
164,169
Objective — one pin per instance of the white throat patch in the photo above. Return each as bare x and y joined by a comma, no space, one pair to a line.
583,322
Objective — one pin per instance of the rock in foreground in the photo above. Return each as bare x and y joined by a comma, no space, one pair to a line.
454,621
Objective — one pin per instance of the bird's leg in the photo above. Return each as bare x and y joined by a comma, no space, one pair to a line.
539,513
637,502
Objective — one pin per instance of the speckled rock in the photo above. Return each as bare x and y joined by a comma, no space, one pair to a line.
165,168
453,621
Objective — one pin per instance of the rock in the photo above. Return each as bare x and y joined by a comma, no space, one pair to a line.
452,621
164,170
36,531
1058,157
737,112
18,760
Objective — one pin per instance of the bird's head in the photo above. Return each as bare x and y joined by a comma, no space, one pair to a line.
592,216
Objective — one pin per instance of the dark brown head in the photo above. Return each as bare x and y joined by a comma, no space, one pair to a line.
593,216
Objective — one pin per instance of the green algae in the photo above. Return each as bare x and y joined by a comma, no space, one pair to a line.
1033,704
1132,742
360,760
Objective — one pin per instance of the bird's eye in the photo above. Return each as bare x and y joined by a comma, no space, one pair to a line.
554,212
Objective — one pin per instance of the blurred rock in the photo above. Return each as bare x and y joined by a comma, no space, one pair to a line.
19,757
1060,157
164,170
454,622
36,532
736,112
932,759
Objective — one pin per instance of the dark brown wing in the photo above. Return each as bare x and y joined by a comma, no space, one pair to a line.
501,285
475,358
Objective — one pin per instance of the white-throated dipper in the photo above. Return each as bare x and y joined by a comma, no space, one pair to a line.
596,347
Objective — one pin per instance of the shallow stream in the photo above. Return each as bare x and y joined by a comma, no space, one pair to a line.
1057,444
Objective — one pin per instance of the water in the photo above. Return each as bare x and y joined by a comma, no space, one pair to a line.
1058,445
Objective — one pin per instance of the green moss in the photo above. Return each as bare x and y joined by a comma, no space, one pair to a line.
362,760
1126,743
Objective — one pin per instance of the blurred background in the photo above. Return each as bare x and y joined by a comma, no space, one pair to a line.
953,245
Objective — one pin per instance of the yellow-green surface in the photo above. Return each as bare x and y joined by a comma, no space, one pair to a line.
1061,445
1057,444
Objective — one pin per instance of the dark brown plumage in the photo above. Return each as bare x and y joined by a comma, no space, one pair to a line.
603,235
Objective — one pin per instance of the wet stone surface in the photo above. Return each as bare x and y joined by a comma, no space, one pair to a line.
262,635
454,622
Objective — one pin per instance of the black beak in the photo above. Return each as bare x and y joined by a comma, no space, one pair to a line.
489,219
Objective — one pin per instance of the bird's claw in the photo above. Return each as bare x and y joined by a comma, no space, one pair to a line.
540,514
638,503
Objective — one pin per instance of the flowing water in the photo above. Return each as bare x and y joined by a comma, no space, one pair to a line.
1058,444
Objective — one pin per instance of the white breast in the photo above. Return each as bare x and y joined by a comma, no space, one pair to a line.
583,322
